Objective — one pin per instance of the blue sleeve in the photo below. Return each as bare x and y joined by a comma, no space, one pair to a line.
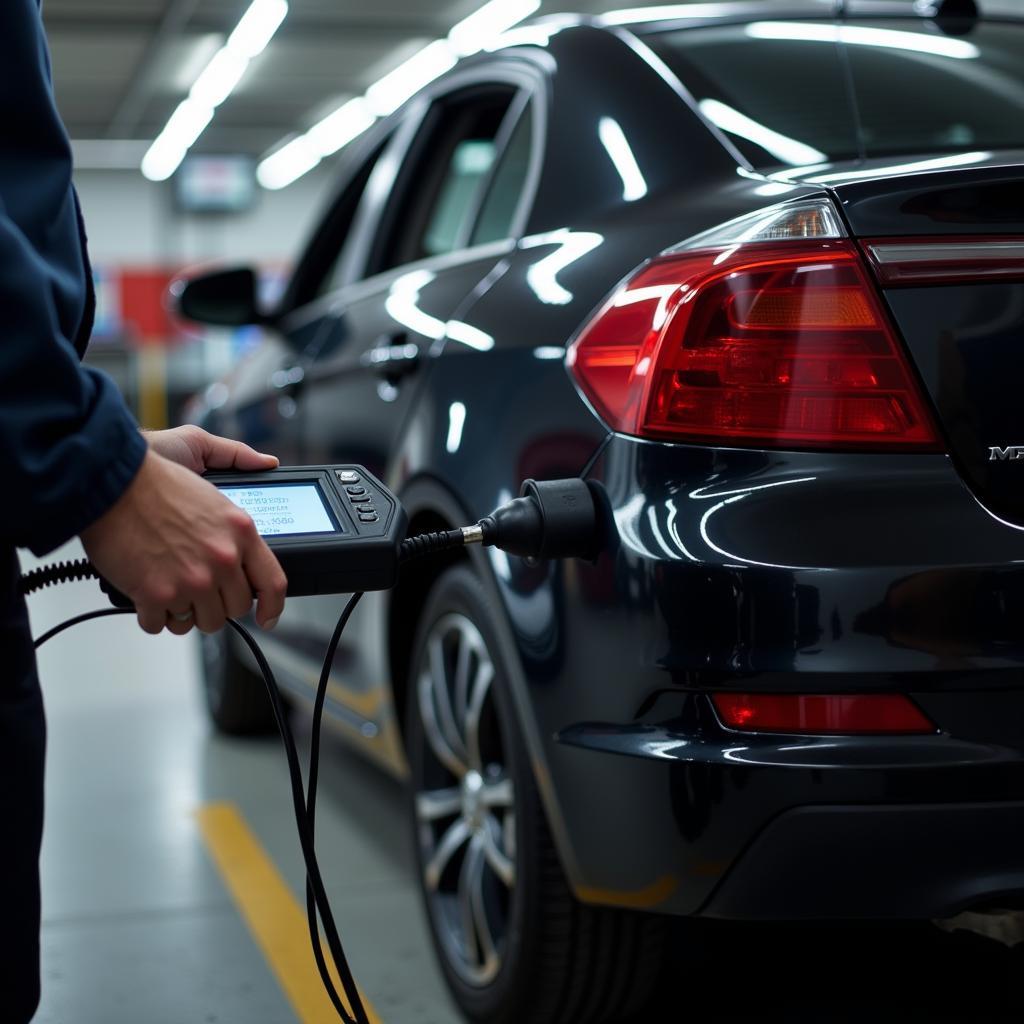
68,445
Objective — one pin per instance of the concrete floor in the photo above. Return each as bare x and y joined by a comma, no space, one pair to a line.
140,928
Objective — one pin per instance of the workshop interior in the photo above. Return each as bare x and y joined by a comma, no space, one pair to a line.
645,389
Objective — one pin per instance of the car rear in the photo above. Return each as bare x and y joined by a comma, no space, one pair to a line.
813,473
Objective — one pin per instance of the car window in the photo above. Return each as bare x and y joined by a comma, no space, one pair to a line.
341,219
780,91
499,207
446,167
967,95
780,101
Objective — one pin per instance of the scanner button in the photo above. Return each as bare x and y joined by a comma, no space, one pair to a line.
348,476
368,517
356,492
366,508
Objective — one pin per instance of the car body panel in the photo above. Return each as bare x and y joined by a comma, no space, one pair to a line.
733,568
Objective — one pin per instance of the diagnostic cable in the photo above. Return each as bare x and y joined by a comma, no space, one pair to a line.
339,530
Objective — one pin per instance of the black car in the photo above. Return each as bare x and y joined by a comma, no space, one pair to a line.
759,272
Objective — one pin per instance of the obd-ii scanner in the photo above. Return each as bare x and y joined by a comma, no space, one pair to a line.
339,530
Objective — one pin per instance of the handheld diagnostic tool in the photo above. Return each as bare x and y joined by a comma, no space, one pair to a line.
334,529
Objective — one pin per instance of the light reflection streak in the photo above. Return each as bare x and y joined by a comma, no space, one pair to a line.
613,138
782,147
542,276
402,305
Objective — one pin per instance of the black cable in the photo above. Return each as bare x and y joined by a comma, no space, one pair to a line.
305,812
430,543
99,614
311,790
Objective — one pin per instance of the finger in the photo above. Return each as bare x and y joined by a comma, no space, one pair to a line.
152,618
178,625
223,453
236,594
209,611
267,579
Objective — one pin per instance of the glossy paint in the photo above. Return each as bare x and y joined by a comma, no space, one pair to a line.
780,571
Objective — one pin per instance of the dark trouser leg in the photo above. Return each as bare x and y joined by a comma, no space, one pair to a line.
22,749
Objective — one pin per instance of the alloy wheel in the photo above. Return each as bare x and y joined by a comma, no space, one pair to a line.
465,801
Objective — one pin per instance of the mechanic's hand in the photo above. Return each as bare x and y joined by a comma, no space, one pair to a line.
176,546
198,450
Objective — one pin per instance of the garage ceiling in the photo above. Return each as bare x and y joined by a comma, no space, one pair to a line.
122,66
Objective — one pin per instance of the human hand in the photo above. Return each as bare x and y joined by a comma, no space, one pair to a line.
199,450
175,545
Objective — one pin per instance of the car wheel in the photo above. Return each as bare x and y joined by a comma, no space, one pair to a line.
236,697
513,942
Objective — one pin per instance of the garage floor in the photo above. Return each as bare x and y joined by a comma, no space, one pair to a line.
171,878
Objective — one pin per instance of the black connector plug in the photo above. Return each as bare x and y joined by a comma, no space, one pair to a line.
550,519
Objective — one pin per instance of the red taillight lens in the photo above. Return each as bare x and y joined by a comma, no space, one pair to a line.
821,714
773,344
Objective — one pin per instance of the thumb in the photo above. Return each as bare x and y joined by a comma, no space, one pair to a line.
223,453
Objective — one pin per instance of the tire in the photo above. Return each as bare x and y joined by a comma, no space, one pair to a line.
514,944
236,697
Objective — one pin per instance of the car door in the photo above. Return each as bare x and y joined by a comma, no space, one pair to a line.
400,287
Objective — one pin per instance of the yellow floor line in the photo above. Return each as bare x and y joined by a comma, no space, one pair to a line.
270,909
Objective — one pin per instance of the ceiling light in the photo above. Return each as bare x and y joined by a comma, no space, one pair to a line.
257,27
472,34
214,84
290,162
338,129
186,124
218,78
388,93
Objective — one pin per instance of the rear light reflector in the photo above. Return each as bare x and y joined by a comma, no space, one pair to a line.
770,343
946,260
821,714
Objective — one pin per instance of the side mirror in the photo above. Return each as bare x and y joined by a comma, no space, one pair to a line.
225,298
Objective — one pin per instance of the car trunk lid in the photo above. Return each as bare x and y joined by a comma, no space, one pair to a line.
947,249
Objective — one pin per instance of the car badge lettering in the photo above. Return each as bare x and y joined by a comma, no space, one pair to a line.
1010,453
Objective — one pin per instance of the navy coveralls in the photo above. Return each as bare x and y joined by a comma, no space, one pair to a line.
68,448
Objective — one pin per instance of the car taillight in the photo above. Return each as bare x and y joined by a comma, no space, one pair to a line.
821,714
766,333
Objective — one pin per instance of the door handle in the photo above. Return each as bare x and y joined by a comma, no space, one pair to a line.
393,357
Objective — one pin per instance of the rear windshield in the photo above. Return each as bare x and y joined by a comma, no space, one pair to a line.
804,92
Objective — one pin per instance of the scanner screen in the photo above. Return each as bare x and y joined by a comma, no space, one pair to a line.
284,508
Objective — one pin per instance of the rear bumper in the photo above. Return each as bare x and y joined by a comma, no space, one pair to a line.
906,861
794,572
689,818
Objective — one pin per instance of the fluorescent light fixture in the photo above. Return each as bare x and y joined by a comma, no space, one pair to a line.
339,128
289,163
477,32
473,34
257,27
782,147
186,124
213,86
634,185
218,78
858,35
388,93
200,53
